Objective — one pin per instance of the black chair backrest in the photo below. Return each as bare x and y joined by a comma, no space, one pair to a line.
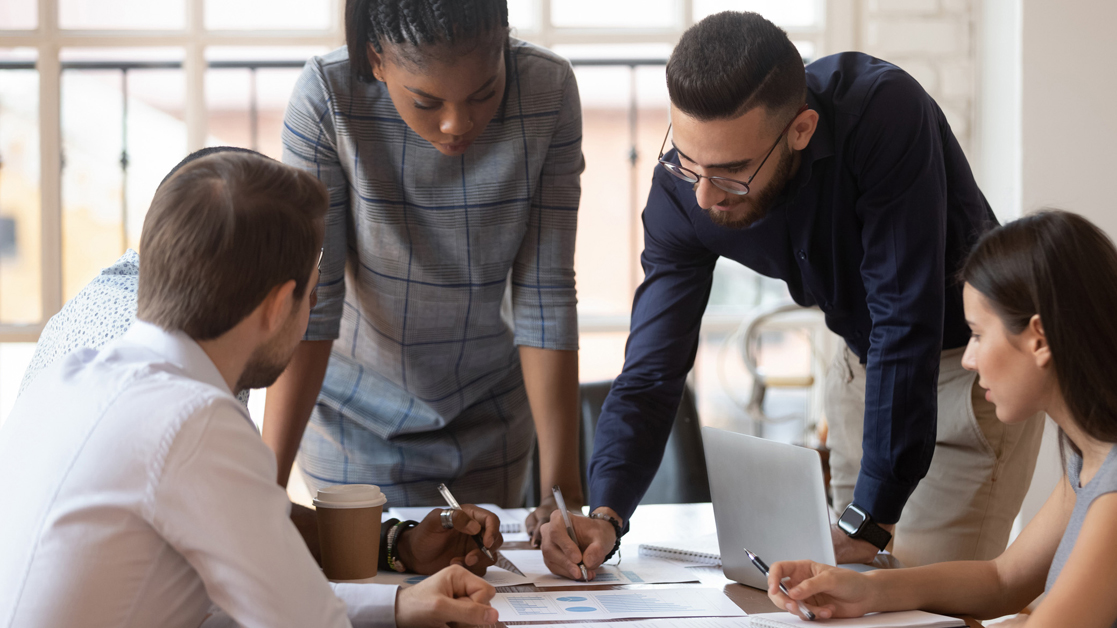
681,478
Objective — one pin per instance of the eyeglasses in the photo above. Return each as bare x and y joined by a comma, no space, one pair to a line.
733,186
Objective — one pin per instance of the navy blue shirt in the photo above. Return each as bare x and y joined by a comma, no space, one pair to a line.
872,229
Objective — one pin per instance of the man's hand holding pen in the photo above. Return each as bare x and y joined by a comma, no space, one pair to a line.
596,539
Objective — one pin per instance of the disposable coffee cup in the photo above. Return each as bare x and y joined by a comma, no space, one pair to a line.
349,530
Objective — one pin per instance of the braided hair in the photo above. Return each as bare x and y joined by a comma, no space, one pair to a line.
417,23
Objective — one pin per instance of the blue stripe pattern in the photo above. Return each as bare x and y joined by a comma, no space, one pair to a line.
420,252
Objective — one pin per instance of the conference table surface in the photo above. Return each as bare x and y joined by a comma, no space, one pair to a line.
660,523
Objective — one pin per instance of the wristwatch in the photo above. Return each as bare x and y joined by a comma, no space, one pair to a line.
859,525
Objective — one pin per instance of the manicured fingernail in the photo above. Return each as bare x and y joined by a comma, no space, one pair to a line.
790,607
491,616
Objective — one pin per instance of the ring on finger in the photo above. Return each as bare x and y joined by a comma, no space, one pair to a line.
447,517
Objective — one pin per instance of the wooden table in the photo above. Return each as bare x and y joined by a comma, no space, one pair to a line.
662,523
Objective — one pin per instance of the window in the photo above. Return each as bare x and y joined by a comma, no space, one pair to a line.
96,106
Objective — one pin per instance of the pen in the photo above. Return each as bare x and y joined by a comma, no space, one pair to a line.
453,503
498,560
569,526
764,570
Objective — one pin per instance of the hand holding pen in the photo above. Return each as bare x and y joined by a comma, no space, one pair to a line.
447,522
569,528
763,567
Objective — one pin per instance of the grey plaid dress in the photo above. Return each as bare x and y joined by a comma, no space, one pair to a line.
424,382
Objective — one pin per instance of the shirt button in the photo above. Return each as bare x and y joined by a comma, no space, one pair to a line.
802,254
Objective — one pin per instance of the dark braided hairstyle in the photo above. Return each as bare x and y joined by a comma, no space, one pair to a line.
416,23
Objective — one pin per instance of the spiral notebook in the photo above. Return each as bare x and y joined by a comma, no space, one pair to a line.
701,550
903,619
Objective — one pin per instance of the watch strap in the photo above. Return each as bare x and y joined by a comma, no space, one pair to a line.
872,532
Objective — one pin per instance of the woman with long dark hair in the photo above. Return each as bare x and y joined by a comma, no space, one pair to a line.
452,153
1040,296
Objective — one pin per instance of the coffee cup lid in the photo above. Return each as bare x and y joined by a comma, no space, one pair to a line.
350,496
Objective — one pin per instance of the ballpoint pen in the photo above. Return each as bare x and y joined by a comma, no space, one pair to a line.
763,567
569,526
498,560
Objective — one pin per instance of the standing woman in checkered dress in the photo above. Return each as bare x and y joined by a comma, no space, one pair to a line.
445,336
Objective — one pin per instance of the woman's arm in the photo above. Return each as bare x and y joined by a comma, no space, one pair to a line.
982,589
551,379
1082,596
291,399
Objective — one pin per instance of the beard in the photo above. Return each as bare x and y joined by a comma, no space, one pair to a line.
755,205
269,360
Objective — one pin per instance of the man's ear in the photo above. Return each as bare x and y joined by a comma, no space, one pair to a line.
802,129
277,306
1037,343
376,62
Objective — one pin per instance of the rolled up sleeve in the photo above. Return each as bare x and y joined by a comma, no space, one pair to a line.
310,143
544,298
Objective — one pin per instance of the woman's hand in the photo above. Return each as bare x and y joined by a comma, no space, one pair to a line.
428,547
451,595
827,591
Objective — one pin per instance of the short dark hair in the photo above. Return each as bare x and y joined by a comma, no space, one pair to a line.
732,62
221,233
1064,268
418,23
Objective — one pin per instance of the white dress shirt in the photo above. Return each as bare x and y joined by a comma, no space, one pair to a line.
145,494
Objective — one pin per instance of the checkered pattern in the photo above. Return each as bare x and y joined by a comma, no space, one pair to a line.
424,383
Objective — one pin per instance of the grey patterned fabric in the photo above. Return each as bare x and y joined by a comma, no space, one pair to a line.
1103,482
424,382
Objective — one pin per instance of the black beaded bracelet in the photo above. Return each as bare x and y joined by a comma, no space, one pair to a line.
616,528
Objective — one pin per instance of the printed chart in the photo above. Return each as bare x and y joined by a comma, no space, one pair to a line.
632,570
690,602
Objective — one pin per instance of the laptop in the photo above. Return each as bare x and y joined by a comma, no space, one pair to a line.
770,498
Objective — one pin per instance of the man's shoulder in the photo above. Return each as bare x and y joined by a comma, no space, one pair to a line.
847,81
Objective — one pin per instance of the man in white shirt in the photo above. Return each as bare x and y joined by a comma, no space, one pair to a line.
147,493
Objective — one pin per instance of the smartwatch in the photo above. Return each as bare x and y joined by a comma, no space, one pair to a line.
857,523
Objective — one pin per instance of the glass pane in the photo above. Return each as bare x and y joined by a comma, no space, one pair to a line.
786,13
601,355
613,14
20,252
104,201
256,15
122,14
19,14
230,97
521,14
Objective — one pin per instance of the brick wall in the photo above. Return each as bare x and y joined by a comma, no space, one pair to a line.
934,41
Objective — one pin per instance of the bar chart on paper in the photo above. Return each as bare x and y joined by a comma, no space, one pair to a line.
567,605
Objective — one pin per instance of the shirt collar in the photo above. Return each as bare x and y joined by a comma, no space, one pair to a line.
821,145
178,349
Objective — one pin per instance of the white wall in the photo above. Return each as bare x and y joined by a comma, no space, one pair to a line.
1068,128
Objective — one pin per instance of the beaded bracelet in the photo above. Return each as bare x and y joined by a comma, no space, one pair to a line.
616,528
394,563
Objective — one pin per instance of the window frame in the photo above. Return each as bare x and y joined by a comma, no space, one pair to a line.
48,39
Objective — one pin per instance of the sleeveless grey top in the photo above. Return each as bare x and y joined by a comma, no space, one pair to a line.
1104,481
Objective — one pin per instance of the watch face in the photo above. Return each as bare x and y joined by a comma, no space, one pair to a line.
852,520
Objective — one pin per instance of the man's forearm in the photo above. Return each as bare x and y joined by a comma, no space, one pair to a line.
551,379
291,399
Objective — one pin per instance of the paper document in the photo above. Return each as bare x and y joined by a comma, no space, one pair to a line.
903,619
494,576
689,622
631,570
511,519
622,604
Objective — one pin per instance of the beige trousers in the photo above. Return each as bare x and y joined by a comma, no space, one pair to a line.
964,508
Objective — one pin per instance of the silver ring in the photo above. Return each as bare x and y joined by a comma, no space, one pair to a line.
448,519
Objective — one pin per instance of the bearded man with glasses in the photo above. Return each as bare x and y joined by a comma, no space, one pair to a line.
844,180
